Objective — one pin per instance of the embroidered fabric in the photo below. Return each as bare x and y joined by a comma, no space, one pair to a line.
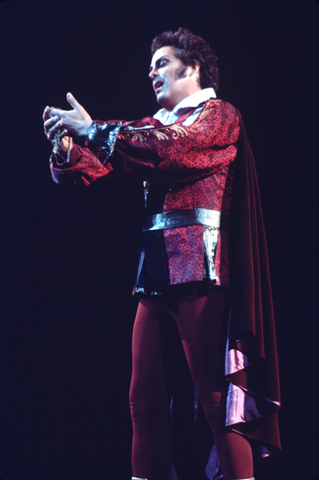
212,220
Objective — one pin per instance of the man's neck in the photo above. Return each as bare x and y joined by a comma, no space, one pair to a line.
192,101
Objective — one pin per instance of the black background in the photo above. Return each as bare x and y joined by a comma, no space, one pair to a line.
68,258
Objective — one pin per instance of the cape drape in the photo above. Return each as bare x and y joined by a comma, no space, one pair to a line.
251,357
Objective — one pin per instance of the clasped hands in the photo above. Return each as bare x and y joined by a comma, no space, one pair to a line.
66,123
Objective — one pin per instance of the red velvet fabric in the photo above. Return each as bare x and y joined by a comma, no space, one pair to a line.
252,326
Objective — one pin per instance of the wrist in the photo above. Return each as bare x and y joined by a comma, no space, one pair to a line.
85,128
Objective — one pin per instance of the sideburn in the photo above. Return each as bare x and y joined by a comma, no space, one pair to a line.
180,72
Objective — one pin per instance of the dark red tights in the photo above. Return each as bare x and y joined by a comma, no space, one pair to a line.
199,319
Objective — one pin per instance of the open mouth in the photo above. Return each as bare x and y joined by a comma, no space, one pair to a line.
157,86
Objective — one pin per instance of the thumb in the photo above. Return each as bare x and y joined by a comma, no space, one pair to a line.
72,101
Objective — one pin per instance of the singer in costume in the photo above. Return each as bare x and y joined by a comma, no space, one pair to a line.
203,260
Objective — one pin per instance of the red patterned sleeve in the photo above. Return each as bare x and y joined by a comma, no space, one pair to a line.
177,152
83,169
90,162
148,150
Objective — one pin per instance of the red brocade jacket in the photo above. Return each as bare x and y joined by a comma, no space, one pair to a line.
185,169
203,223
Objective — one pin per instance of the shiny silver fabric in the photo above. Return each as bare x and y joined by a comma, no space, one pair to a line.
104,135
184,218
241,405
210,244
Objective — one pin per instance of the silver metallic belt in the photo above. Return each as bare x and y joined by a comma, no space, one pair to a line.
184,218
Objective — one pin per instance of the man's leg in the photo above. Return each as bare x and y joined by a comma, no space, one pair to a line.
151,447
201,324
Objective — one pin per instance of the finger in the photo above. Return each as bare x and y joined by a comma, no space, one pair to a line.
49,123
54,129
64,133
46,125
45,114
54,111
73,102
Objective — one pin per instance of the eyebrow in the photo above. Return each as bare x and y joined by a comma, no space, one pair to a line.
158,61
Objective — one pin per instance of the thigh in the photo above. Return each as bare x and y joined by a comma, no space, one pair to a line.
148,382
202,324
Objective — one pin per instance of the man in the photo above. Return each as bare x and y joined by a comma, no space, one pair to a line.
203,258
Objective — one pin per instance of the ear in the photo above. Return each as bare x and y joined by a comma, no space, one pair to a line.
193,70
196,68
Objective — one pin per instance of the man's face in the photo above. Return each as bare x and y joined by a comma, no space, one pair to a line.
172,80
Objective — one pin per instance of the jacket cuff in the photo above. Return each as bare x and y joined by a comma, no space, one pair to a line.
104,135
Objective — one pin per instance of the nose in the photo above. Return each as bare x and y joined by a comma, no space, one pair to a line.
152,73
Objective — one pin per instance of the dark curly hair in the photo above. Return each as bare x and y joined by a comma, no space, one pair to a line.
191,50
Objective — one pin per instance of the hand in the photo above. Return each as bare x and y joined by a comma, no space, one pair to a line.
74,122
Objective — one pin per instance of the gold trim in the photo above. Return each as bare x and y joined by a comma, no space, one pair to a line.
174,131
